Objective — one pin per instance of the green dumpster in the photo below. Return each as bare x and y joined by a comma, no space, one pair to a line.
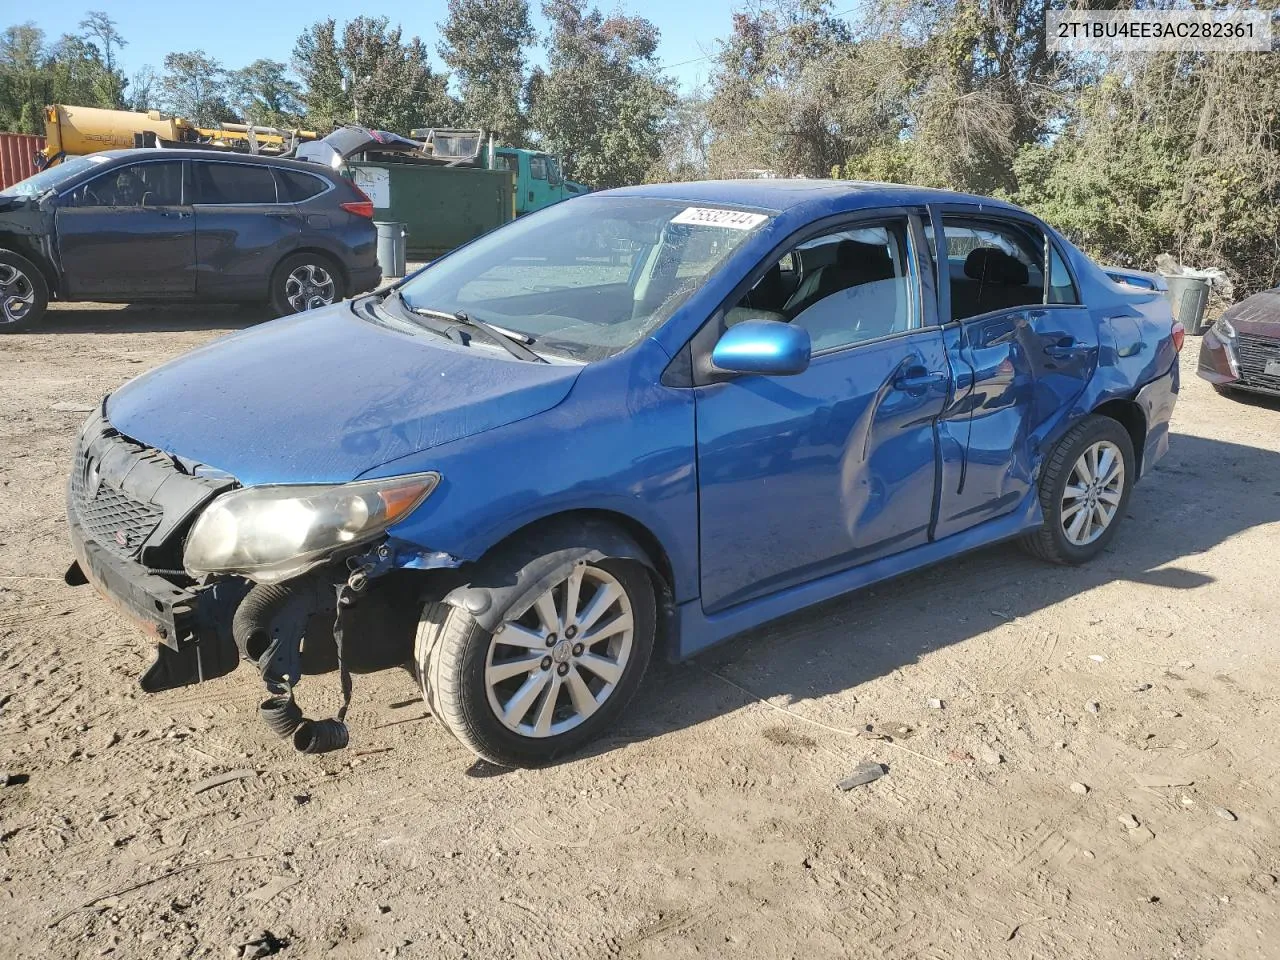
441,207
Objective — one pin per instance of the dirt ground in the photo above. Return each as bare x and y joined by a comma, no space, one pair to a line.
1131,706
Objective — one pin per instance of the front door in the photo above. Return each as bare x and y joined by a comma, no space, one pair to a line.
128,234
807,475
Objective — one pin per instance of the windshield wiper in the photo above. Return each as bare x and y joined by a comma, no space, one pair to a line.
516,344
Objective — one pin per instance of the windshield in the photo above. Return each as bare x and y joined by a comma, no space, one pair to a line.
52,177
588,277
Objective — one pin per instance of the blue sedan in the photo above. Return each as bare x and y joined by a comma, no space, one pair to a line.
647,418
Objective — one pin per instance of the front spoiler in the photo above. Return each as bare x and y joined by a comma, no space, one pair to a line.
191,625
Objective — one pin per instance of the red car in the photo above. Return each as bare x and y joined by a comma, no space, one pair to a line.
1242,350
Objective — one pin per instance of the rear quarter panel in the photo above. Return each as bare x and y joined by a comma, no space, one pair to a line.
1137,359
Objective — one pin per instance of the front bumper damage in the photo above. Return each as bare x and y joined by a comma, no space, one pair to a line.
129,509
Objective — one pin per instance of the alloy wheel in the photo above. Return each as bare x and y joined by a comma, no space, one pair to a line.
309,286
1093,492
17,294
552,668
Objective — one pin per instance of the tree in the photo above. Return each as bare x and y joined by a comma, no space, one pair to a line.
601,102
143,87
370,76
100,30
774,101
193,86
483,44
25,86
686,141
262,93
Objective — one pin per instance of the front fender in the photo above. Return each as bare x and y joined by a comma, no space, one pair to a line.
504,585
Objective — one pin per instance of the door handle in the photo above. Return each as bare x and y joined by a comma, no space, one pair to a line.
175,214
1063,349
919,382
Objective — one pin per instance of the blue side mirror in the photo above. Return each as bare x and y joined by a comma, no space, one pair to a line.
769,347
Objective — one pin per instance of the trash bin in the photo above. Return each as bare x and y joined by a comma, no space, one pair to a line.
391,247
1189,296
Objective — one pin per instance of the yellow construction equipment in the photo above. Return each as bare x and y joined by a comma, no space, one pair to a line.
74,131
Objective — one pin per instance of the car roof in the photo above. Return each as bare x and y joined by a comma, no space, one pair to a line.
184,153
778,195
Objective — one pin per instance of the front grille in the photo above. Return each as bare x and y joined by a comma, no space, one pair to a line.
111,518
1253,353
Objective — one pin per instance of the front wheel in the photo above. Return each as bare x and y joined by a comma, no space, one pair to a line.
1084,491
24,294
546,682
305,281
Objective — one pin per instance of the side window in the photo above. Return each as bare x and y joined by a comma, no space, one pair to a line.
992,265
504,161
231,183
296,187
1061,289
137,185
844,287
538,167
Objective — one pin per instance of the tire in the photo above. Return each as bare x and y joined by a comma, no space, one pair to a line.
305,281
24,293
1055,541
453,657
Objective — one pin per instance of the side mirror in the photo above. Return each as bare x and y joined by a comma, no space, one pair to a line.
768,347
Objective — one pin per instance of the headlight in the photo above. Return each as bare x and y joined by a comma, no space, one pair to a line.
272,533
1223,328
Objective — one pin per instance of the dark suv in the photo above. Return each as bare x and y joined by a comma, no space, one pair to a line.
130,225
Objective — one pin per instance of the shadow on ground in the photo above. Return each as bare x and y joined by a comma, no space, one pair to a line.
843,643
152,317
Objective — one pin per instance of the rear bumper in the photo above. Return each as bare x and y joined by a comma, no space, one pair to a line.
1157,400
365,279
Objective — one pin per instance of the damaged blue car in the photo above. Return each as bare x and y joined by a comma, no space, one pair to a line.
641,420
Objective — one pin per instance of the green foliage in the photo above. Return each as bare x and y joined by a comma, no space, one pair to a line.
370,75
78,68
483,43
194,87
263,93
601,102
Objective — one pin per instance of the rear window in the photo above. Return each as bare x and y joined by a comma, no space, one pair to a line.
233,183
296,187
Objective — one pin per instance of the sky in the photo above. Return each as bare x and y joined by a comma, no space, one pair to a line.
237,32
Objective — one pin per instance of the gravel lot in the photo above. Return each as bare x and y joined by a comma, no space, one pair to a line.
709,823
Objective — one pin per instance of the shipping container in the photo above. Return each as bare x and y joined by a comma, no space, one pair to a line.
17,157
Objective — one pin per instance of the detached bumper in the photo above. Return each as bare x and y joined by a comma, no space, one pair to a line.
191,626
1157,399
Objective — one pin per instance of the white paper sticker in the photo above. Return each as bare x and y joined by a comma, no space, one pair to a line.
714,217
376,183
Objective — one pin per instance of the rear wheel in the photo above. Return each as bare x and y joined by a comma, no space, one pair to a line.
305,281
24,294
1084,491
542,684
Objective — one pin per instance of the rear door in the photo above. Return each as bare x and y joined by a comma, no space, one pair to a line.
1023,348
128,234
243,228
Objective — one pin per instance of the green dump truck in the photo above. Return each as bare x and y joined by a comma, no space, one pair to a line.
446,186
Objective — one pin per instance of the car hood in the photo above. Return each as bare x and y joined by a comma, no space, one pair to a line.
1258,315
324,396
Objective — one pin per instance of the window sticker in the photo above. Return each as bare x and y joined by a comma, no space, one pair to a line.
713,217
